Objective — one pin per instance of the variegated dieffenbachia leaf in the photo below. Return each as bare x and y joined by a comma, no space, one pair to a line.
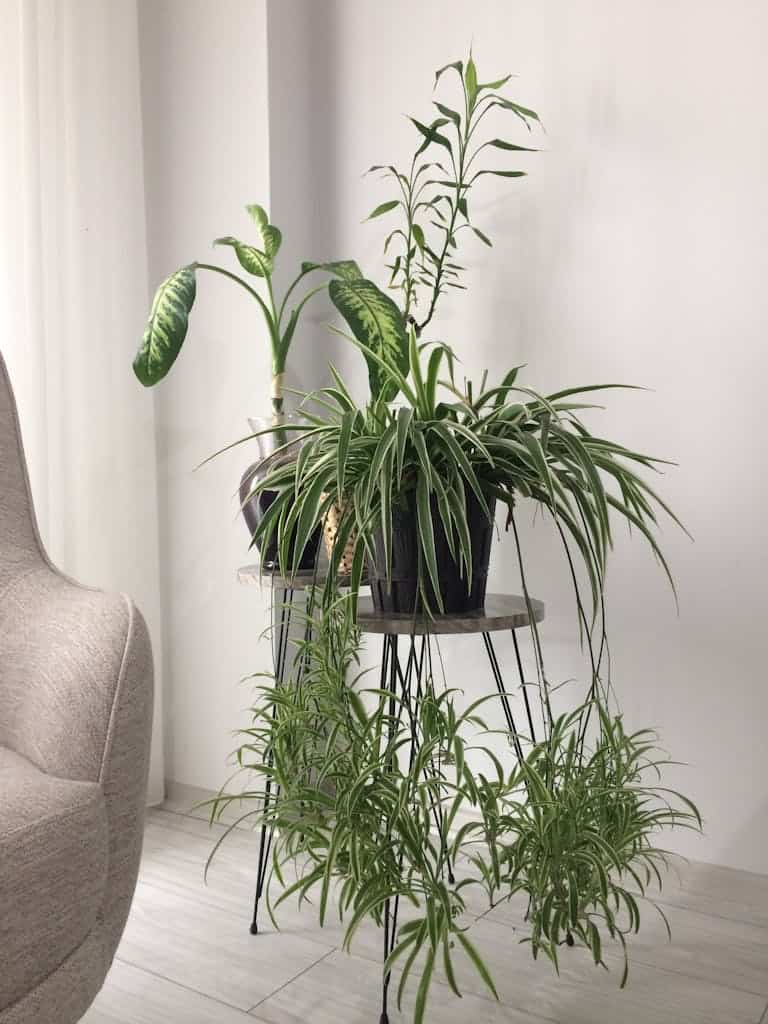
377,323
346,269
167,326
270,235
248,256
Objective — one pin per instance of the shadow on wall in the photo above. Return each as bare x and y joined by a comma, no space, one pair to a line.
757,825
303,134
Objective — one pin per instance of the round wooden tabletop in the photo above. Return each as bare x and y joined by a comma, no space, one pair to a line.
501,612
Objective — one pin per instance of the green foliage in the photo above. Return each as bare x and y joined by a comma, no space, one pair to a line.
580,830
433,197
166,327
507,442
387,795
390,794
168,320
377,323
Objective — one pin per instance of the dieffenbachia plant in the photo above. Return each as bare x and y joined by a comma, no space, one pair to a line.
169,316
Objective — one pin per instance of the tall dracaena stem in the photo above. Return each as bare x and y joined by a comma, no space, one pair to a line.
438,201
459,187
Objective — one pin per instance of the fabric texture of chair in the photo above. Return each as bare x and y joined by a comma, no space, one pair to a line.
75,727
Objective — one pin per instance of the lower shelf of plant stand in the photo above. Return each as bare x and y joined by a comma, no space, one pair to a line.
501,612
266,575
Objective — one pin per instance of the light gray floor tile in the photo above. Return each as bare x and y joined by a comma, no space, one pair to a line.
347,988
187,954
133,996
585,994
207,949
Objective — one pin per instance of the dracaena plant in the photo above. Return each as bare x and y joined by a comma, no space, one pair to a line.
169,316
433,201
444,444
433,196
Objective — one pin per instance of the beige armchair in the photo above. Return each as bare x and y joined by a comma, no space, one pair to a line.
75,721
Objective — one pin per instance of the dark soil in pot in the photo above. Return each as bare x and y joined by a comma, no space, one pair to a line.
400,593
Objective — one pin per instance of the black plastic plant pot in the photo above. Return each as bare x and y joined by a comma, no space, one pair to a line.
400,592
254,510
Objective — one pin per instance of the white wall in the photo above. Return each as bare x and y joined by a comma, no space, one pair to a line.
204,79
635,252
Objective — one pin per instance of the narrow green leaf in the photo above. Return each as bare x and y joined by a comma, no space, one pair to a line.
470,82
343,445
494,86
383,208
404,418
456,65
525,113
510,146
477,960
500,174
448,966
482,237
431,134
421,994
452,115
307,514
426,534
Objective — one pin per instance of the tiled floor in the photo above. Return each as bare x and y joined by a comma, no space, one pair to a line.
187,955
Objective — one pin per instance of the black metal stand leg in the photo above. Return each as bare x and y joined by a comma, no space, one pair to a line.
390,673
523,686
499,680
279,656
411,683
390,932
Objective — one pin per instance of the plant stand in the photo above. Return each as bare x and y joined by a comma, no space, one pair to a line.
407,649
282,612
406,656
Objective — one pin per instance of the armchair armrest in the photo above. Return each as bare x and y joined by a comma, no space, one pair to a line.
69,658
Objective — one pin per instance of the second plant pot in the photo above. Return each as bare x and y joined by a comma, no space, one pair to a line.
399,592
272,451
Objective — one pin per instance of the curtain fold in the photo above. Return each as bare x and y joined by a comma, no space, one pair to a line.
73,292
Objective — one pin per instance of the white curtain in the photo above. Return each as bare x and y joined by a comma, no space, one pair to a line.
73,291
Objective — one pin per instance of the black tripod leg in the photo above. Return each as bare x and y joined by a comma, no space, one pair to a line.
280,653
389,660
499,680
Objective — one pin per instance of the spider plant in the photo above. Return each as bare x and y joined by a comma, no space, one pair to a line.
445,445
392,800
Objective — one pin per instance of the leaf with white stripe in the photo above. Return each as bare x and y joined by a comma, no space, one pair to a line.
167,326
270,235
249,257
378,324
